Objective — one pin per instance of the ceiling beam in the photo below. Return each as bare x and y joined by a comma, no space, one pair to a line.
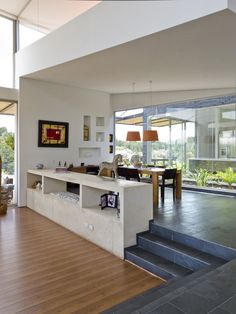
24,7
8,15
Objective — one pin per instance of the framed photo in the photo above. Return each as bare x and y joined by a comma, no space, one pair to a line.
109,200
53,134
103,201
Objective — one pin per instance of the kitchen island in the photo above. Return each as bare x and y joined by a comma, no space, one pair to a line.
83,215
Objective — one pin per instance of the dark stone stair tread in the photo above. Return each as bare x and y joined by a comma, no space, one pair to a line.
220,251
170,267
181,248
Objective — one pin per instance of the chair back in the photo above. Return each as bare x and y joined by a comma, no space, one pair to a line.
128,173
169,174
92,169
133,174
122,172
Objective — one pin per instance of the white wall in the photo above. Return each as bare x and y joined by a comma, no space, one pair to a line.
137,100
39,100
232,5
109,24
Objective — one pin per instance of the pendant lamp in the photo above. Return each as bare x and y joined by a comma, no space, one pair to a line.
133,136
150,135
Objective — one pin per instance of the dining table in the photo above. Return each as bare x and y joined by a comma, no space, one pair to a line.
155,173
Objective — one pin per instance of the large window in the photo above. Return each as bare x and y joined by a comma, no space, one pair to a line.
6,52
201,141
7,37
28,35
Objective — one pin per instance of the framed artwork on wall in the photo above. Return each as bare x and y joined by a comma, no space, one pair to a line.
53,134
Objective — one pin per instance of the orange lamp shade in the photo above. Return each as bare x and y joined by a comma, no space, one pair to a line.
150,135
133,136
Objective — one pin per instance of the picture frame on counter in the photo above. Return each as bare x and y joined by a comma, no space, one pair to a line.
109,200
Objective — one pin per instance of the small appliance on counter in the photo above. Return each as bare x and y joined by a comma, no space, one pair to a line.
39,166
61,168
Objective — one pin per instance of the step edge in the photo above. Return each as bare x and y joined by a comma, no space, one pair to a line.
171,275
231,250
159,266
172,249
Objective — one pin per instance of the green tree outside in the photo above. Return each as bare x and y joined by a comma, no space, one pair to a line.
7,150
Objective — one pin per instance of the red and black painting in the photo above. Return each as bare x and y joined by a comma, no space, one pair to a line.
53,134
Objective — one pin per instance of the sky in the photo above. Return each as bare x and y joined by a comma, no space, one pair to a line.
6,49
8,122
27,36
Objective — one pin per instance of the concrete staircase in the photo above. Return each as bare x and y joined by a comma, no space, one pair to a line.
182,260
170,254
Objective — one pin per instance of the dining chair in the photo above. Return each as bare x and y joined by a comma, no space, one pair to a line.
122,172
133,174
170,175
128,173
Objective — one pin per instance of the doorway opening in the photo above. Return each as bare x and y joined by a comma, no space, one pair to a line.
7,147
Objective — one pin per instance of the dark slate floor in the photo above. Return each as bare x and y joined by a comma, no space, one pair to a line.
215,293
204,216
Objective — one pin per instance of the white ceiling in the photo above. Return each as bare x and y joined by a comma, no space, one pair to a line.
196,55
44,15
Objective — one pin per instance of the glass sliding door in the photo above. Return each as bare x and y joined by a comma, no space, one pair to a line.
201,140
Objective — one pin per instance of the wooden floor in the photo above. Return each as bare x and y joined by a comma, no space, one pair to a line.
45,268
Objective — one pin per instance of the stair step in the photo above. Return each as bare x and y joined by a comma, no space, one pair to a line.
215,249
155,264
176,252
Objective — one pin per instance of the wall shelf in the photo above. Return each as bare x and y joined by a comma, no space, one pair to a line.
89,152
100,121
100,136
87,128
93,143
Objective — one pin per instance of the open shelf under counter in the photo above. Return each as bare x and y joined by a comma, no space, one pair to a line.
108,213
67,197
102,227
32,178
